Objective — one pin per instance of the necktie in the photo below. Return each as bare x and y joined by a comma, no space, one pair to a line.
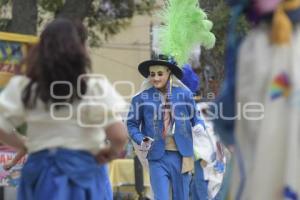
167,119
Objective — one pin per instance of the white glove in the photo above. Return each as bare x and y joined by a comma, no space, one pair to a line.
198,129
146,143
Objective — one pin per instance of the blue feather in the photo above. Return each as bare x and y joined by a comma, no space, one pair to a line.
190,78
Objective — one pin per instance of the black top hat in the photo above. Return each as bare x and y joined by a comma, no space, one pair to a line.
161,60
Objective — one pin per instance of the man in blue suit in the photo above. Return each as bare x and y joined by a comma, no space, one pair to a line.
160,120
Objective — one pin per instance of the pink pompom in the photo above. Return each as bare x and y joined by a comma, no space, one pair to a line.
266,6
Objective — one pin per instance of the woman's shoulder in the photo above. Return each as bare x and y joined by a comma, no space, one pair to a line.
101,89
98,86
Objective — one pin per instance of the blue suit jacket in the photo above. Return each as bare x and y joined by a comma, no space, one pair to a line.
145,118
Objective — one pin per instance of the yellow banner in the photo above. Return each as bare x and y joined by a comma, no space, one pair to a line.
13,48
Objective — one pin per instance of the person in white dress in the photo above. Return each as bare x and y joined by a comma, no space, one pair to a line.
69,116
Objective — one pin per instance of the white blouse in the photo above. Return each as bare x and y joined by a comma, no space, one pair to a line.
78,126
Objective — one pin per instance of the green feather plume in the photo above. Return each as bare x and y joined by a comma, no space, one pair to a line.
185,26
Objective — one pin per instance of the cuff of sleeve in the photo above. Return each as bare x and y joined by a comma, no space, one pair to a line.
140,140
6,125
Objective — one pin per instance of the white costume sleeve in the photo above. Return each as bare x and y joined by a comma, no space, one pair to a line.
12,112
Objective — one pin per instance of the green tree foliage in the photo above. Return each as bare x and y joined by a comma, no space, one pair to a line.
103,18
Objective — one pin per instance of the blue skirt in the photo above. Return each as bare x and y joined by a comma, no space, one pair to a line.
61,174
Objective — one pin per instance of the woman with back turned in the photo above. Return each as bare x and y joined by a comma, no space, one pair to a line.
68,114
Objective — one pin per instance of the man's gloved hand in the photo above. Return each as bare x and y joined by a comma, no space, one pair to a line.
198,129
219,166
146,143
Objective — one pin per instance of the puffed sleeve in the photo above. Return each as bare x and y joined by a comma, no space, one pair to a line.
103,105
12,111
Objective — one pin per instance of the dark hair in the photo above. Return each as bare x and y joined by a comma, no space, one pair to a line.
60,55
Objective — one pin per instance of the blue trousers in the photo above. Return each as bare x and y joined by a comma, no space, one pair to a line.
166,172
199,185
63,174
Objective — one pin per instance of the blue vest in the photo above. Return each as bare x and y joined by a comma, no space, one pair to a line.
145,118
